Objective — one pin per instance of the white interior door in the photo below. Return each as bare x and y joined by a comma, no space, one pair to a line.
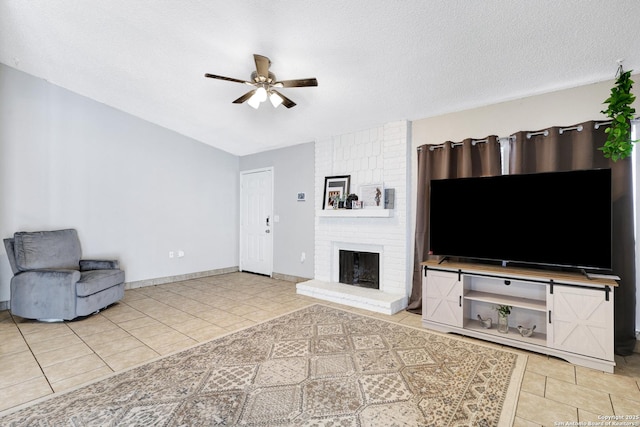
256,221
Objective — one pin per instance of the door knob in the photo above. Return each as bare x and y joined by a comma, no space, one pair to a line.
267,231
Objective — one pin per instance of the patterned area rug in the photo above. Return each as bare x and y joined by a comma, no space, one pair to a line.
318,366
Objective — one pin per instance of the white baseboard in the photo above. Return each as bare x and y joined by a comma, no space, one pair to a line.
289,278
4,305
178,278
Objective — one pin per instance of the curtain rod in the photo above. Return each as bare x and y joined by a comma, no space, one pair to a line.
578,128
473,142
598,124
543,132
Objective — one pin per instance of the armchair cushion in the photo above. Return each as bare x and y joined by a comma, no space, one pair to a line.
94,281
47,249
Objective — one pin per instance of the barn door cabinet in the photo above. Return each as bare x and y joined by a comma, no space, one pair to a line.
572,315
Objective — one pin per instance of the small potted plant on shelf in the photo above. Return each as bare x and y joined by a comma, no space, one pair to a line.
503,318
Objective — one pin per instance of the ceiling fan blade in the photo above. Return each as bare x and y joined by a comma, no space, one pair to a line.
262,65
244,97
297,83
285,101
229,79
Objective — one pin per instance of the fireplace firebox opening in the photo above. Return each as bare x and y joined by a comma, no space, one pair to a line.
360,269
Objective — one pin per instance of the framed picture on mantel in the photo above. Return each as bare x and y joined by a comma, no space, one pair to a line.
372,196
335,187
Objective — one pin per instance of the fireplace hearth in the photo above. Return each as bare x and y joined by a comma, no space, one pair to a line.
360,269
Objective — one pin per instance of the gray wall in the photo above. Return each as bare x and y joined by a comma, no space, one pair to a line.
293,172
134,190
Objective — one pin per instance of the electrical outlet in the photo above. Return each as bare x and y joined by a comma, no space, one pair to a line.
171,254
180,254
303,256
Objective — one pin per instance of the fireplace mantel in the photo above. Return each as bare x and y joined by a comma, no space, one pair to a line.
355,213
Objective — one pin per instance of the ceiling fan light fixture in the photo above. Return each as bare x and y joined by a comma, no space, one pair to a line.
261,94
275,99
254,101
264,82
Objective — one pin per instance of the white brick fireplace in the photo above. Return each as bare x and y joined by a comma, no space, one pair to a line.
376,156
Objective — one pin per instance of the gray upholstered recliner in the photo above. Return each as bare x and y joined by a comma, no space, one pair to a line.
50,280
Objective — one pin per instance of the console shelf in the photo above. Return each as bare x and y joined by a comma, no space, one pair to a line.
519,302
478,331
573,314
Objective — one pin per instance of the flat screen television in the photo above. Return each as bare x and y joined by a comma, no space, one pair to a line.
560,219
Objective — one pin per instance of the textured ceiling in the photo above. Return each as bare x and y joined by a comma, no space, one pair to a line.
375,60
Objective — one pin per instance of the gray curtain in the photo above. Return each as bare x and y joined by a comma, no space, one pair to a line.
576,147
468,158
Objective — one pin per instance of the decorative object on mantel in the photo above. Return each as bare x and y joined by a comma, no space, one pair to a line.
503,318
486,323
389,198
350,199
372,196
526,332
619,144
335,188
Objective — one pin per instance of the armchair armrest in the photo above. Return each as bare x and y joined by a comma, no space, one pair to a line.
96,264
44,294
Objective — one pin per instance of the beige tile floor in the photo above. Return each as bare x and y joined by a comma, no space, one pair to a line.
39,359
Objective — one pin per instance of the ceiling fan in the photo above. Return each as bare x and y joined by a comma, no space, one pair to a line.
265,84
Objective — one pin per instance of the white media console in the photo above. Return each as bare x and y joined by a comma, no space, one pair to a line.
572,314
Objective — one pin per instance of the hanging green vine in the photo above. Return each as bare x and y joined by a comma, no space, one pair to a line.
619,144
